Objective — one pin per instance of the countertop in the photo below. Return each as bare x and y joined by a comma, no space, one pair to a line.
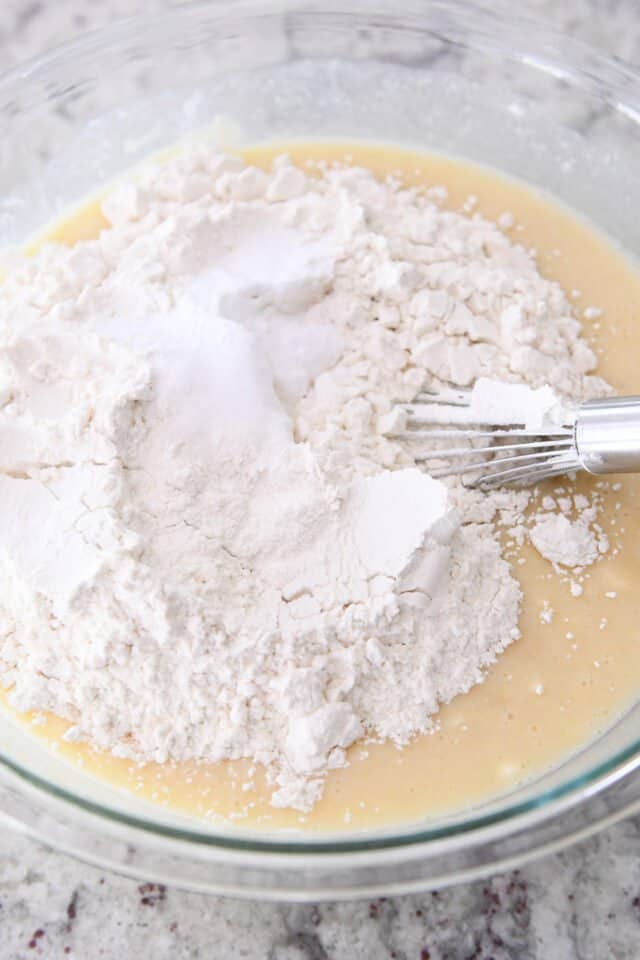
583,904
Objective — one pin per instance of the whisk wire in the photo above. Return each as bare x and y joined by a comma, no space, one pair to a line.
496,455
601,436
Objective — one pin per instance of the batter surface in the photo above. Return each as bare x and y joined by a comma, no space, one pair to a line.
552,690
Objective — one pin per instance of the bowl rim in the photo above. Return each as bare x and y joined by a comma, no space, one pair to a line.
529,813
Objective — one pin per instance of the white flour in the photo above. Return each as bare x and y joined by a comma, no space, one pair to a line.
208,546
566,542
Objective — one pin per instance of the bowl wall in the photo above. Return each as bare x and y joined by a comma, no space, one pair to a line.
441,76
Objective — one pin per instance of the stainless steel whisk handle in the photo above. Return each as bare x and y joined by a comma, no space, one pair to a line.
607,435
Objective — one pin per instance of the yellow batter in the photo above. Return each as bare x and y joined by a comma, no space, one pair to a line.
551,691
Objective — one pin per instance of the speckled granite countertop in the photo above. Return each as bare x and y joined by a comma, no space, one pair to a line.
583,904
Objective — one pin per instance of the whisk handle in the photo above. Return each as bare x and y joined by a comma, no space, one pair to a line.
607,435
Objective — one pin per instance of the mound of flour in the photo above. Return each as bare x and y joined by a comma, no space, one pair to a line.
208,545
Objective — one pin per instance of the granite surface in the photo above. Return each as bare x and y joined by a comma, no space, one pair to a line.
583,904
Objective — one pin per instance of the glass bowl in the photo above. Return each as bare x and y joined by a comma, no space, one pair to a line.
437,74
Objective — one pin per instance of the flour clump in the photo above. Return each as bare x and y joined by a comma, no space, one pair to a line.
209,546
567,542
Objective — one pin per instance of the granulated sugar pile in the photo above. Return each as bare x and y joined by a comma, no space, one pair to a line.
208,545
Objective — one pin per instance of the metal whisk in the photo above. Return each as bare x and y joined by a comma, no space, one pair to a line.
600,436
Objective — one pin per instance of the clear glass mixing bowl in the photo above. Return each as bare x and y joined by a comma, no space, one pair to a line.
439,74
